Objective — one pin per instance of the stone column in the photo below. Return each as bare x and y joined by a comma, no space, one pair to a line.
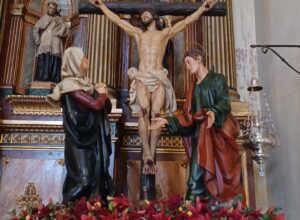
3,5
102,50
13,46
193,39
83,30
124,50
219,43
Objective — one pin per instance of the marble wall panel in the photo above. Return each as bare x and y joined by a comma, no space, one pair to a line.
47,176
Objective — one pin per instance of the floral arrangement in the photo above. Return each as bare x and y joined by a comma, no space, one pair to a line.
119,208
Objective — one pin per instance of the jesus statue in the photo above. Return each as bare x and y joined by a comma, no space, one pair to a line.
151,92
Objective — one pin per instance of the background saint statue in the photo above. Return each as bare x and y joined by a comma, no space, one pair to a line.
49,32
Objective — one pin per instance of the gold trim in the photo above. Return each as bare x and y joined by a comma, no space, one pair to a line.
171,149
28,148
116,111
30,198
51,139
32,138
131,124
37,105
5,161
166,142
83,16
30,19
60,162
32,105
136,150
18,10
245,175
29,122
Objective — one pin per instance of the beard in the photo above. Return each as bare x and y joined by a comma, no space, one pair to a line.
146,24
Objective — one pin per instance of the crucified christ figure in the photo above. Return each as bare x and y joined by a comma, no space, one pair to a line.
151,91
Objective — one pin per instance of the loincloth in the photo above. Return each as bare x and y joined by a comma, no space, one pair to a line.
152,80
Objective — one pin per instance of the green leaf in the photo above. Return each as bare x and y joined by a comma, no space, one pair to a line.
265,217
110,206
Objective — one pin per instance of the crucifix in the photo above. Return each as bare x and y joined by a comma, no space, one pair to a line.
162,8
151,92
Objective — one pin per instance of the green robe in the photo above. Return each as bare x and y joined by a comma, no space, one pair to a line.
211,94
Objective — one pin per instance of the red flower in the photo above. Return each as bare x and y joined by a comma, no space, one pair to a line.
24,213
89,206
275,213
134,215
174,202
161,216
50,202
119,203
44,212
236,215
80,207
222,212
121,209
279,217
85,217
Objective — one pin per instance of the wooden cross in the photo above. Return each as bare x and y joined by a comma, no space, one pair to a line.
162,8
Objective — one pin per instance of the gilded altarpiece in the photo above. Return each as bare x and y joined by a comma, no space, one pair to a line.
32,138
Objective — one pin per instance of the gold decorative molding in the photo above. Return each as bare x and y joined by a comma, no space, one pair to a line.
37,105
8,126
29,122
60,162
26,139
184,165
164,141
30,198
166,144
245,175
83,16
30,19
31,148
5,161
32,105
33,138
18,10
74,21
158,150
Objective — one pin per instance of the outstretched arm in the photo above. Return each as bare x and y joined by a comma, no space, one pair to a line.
206,6
127,27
